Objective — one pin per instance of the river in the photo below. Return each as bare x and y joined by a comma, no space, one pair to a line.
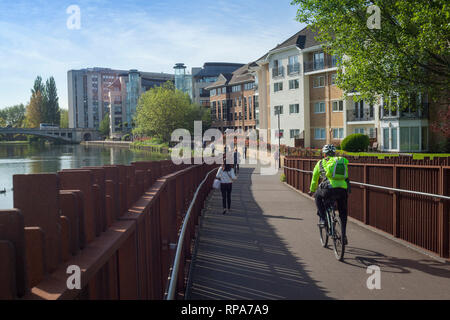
40,158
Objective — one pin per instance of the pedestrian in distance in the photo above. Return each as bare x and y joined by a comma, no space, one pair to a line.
236,159
226,176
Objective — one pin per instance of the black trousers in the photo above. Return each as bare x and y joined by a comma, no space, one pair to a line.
226,194
338,194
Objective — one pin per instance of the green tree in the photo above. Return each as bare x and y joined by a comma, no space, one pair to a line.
64,120
408,53
14,116
34,113
104,125
38,86
161,110
52,111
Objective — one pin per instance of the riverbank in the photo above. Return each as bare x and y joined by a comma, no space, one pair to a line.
106,143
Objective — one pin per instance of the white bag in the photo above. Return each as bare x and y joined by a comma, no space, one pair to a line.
216,184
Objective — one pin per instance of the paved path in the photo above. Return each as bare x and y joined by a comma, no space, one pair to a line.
268,248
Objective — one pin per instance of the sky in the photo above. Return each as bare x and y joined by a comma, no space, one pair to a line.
147,35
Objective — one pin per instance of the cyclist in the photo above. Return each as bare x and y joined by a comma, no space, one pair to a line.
334,185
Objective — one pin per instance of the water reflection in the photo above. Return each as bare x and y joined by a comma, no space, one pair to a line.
35,158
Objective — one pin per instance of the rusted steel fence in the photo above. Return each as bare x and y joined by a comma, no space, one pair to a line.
422,220
116,223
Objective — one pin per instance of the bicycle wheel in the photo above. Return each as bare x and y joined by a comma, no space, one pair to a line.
323,236
338,242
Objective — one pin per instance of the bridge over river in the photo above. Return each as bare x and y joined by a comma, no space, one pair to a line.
69,135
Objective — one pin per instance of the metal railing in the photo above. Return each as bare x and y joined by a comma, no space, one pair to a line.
293,68
277,72
382,187
365,114
172,287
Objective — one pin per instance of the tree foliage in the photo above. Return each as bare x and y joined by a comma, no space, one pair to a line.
13,116
409,53
64,119
163,109
35,110
104,125
48,111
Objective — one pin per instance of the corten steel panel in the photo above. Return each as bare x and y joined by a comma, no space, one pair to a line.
127,267
419,216
145,166
112,174
380,202
113,287
41,209
8,289
100,222
65,238
156,281
131,186
72,205
34,253
82,180
110,202
70,208
123,182
99,176
356,196
12,230
140,175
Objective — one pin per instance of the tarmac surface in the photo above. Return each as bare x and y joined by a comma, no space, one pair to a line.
268,247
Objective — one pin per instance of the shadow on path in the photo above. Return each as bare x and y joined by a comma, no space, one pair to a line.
240,256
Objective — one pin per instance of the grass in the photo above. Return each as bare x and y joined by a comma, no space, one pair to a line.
14,142
416,156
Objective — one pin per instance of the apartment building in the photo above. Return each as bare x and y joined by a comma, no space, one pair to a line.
88,93
301,104
88,96
123,96
205,76
233,101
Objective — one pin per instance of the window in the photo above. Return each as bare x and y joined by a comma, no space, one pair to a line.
319,82
277,109
338,133
293,84
319,133
338,106
294,108
294,132
213,92
333,79
293,66
318,60
359,130
236,88
334,59
249,86
386,138
319,107
278,86
394,138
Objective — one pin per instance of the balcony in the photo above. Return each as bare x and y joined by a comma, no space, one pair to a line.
366,114
327,62
419,113
293,68
277,72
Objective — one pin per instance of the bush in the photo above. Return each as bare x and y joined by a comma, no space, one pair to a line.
355,142
126,137
283,177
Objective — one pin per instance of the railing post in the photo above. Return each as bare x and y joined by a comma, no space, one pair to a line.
395,203
365,197
443,233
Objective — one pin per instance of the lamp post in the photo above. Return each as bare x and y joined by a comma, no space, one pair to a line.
279,136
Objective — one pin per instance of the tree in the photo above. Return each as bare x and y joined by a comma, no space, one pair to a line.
13,116
38,86
104,125
34,113
64,119
161,110
408,54
52,112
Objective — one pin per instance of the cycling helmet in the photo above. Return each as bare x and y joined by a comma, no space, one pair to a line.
329,149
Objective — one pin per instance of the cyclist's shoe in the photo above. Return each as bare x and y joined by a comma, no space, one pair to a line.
321,222
345,240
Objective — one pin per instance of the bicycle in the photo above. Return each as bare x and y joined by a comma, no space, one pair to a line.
333,229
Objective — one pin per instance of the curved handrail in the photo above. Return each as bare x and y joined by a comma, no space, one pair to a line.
174,275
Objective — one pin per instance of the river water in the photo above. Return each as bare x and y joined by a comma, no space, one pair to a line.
31,158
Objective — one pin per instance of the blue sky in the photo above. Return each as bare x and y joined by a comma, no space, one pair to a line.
145,35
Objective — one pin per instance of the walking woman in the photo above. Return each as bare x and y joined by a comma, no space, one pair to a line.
226,176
